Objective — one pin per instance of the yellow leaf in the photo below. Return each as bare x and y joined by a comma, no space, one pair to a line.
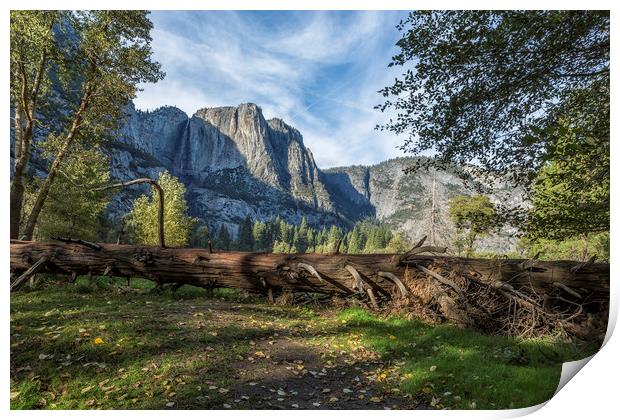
99,340
85,390
392,337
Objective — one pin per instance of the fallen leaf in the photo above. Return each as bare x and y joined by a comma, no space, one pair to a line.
85,390
99,340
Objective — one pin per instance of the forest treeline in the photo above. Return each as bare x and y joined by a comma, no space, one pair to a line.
277,235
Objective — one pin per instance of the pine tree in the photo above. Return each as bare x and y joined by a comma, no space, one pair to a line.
200,237
311,239
295,241
302,242
355,241
322,239
223,239
246,240
260,235
333,237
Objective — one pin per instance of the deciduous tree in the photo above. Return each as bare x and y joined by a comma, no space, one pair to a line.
473,217
97,60
177,224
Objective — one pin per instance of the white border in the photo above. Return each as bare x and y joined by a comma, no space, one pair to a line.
592,394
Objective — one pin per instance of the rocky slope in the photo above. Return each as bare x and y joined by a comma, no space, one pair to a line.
234,162
415,203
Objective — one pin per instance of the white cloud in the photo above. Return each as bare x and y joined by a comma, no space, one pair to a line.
319,71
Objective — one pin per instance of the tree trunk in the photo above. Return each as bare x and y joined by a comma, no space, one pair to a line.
510,297
51,175
19,166
26,106
329,273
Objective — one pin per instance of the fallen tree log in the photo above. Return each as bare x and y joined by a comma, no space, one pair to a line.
456,284
257,272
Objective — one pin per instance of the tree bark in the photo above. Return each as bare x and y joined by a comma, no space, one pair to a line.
17,183
25,106
51,175
328,273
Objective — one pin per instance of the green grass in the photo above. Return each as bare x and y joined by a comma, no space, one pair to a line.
145,356
464,369
172,350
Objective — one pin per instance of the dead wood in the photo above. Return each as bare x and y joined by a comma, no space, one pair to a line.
513,297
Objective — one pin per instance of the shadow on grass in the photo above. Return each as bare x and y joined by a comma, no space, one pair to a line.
158,350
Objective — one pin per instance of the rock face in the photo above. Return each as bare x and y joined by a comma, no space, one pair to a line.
234,162
404,201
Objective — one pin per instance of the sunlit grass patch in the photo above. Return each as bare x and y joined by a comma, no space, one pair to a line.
459,368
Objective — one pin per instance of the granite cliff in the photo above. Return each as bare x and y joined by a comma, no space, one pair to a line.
234,162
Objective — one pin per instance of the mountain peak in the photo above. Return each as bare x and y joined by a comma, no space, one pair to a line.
234,162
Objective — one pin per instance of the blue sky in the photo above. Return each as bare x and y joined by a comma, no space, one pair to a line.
317,70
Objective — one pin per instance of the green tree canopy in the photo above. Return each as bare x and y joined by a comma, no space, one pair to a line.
143,217
223,239
95,61
246,238
478,83
473,217
571,193
71,209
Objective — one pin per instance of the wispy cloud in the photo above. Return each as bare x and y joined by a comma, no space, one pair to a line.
319,71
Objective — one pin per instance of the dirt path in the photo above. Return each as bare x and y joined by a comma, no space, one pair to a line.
291,369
